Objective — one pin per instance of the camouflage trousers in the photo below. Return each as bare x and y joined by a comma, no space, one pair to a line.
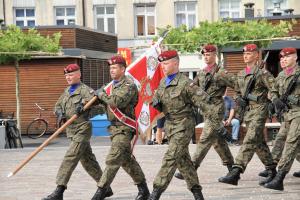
254,143
177,156
211,137
279,143
291,147
120,156
78,151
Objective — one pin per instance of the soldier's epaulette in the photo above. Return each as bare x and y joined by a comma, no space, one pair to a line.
264,71
223,72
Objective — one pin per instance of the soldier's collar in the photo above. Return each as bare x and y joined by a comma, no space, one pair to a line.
175,80
77,90
210,68
120,82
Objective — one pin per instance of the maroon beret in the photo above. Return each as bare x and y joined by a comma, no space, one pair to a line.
71,68
166,55
118,59
250,47
208,48
287,51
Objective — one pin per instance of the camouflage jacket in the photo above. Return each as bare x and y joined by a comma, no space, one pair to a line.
216,90
281,83
80,129
178,98
263,85
124,96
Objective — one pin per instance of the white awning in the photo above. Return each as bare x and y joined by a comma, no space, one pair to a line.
144,1
104,2
24,4
64,2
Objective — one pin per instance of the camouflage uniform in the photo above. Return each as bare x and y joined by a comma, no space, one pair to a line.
124,95
291,120
213,113
279,143
79,133
255,118
176,101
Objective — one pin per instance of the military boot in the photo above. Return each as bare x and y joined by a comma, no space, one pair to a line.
155,195
57,194
263,173
229,167
232,177
100,194
296,174
196,190
277,182
143,191
271,174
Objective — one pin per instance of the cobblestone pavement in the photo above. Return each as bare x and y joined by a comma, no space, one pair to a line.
37,178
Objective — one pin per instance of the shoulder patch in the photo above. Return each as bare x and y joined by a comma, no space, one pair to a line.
91,91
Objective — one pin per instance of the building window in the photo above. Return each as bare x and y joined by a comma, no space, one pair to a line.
270,6
185,14
229,8
25,17
65,16
145,20
105,18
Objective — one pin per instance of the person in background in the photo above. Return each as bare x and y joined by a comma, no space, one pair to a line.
229,119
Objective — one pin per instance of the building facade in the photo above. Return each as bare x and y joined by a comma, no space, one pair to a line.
135,22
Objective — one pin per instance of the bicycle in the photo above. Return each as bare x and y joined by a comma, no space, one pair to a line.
39,126
13,137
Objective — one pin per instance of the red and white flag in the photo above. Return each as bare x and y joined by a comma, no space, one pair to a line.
146,73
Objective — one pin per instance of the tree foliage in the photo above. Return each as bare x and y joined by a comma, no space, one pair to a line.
223,33
16,45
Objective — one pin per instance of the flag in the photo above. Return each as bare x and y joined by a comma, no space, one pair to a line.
146,73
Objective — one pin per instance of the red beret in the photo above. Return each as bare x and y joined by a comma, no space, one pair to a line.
208,48
71,68
287,51
250,47
166,55
117,60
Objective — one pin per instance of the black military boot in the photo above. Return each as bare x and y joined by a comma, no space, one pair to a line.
143,191
271,174
57,194
155,195
296,174
178,175
100,194
232,177
277,182
109,192
263,173
229,167
196,190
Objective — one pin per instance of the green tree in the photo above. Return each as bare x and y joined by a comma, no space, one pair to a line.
225,34
17,45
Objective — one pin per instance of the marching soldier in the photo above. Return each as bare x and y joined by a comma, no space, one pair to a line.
120,99
280,139
79,132
256,112
175,97
285,98
213,81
